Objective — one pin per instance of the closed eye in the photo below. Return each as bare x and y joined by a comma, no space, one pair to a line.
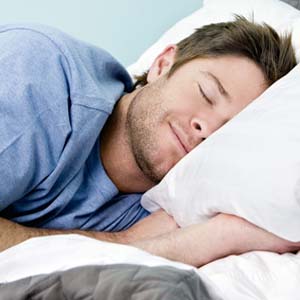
210,102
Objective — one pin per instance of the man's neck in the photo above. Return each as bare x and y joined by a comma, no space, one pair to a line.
116,154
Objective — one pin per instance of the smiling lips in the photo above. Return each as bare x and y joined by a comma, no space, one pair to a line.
177,135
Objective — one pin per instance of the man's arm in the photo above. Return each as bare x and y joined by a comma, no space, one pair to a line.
12,234
156,224
221,236
158,234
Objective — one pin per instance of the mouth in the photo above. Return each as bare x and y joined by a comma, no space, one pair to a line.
181,144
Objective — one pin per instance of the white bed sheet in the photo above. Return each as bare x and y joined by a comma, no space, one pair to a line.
255,275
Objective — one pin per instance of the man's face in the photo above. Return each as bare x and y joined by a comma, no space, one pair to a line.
167,118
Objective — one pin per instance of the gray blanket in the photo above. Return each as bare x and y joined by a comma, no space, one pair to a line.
110,282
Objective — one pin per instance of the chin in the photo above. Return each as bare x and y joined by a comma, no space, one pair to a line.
166,170
160,167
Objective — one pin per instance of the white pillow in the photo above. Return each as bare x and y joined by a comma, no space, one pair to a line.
251,166
274,12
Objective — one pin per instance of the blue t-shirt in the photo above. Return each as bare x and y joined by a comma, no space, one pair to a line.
56,94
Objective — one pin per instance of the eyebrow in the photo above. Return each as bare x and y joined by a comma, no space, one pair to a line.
220,86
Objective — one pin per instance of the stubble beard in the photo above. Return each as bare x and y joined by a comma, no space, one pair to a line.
144,115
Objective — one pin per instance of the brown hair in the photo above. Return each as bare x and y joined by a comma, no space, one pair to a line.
274,54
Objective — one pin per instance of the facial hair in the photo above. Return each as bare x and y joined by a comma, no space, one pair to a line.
144,116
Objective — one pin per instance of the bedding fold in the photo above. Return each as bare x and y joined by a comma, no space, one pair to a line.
110,282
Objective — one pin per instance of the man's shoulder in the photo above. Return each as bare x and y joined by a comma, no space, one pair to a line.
37,41
95,78
39,35
32,35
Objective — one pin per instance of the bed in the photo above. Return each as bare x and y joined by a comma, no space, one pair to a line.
77,267
82,268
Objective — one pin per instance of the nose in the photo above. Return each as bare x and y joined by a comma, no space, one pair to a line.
202,128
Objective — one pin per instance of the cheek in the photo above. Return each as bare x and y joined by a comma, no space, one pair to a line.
165,142
187,103
227,111
183,110
167,153
186,112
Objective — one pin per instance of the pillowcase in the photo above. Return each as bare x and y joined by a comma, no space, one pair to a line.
251,166
274,12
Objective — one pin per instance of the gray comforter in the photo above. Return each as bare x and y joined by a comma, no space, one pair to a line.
110,282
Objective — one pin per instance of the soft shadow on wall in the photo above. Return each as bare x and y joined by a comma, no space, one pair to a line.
123,27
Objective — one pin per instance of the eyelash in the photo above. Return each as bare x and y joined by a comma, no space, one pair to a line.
204,96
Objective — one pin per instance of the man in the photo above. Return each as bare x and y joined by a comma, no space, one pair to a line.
79,146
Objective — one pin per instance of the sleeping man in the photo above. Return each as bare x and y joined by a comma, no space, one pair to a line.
79,144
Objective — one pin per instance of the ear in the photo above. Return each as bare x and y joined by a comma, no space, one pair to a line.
162,63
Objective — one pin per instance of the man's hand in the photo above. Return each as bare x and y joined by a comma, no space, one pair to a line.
248,237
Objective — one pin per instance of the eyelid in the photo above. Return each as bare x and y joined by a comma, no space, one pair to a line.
210,102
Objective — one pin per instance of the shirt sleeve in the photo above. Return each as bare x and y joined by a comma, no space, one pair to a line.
34,120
